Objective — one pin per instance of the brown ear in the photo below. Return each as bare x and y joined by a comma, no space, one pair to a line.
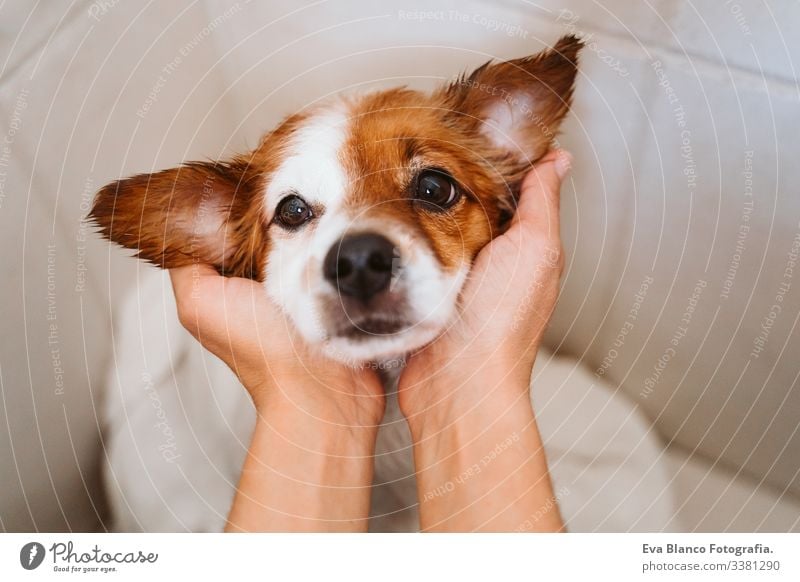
519,104
201,212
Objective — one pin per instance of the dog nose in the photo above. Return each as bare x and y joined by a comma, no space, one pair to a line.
360,265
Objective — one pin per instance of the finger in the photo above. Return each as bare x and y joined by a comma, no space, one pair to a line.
539,203
184,278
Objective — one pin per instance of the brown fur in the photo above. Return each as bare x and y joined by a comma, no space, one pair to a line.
394,130
161,215
166,216
394,135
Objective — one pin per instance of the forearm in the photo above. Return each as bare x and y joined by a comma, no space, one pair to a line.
304,475
484,469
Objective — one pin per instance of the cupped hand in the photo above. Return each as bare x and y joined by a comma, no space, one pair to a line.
235,320
485,358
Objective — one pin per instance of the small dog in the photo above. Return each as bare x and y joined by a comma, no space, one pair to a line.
362,216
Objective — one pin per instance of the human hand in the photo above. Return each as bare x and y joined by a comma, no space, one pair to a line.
486,357
235,320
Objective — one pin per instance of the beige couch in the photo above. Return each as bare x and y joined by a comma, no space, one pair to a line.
682,218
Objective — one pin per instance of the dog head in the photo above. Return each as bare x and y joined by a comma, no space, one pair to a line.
361,216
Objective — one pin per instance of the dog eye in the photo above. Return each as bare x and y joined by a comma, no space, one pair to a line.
436,188
293,211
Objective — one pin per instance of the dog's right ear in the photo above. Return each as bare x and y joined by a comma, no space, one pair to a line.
201,212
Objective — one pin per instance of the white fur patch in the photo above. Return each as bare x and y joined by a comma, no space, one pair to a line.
504,120
313,168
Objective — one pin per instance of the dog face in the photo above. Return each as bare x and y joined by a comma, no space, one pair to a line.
362,216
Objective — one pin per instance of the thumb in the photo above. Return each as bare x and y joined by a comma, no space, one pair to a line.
539,201
185,279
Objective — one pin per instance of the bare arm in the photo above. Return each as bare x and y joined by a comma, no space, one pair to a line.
300,475
485,469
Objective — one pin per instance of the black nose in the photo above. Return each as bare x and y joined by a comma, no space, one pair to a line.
360,266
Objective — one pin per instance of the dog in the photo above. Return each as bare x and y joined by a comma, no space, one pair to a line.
361,216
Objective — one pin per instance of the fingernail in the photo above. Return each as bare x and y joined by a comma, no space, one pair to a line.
563,163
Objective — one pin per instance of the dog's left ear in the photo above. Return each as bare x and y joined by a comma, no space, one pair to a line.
519,104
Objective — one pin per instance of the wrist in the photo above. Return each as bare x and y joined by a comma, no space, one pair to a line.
449,429
340,399
309,431
473,397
